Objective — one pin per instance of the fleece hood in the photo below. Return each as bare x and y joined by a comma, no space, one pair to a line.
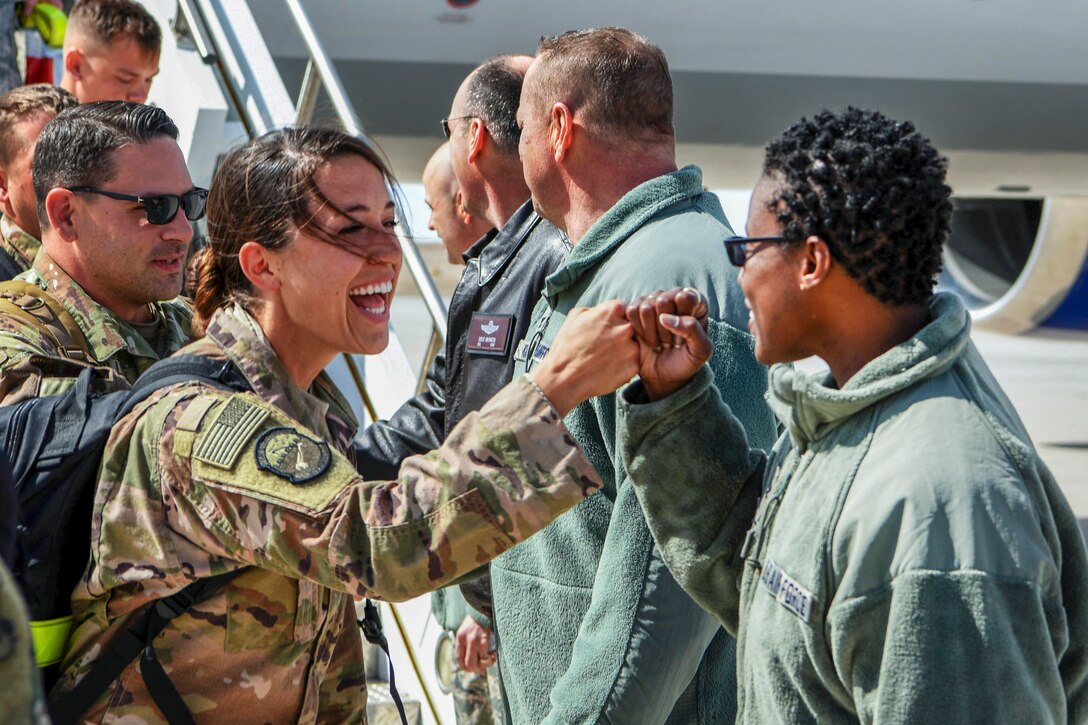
810,407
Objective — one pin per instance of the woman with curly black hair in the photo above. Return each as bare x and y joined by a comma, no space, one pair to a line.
902,554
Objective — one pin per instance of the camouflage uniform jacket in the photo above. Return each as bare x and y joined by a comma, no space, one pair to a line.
198,481
21,700
30,363
19,245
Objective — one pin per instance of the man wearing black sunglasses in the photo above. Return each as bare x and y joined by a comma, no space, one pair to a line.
116,206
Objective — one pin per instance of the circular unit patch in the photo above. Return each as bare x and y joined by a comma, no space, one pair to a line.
289,454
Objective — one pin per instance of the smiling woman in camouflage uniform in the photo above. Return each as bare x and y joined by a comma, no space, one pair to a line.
199,481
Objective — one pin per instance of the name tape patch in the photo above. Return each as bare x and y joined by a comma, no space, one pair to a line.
489,334
540,351
787,591
230,431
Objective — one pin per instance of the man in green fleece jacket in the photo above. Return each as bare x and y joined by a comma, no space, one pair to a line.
910,558
591,626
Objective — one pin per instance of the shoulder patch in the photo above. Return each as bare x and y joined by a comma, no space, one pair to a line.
231,429
192,417
290,454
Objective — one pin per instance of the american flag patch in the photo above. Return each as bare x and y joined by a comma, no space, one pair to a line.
230,431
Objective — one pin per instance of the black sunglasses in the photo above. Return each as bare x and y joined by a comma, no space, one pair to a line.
737,247
163,208
446,123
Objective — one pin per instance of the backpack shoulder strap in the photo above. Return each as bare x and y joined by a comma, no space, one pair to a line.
177,369
137,639
9,268
130,643
31,303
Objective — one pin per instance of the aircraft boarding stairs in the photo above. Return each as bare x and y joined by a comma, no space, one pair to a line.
219,83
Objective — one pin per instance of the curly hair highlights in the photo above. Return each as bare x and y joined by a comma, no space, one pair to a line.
264,191
874,190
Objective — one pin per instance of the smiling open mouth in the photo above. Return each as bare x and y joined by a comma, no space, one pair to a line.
372,298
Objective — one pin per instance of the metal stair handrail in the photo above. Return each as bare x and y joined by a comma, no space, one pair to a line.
247,70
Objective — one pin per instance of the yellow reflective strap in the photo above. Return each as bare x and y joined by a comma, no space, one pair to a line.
50,639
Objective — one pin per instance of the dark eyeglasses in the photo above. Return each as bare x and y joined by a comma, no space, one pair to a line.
159,209
446,123
737,247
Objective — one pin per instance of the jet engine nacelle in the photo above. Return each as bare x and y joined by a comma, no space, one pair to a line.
1020,263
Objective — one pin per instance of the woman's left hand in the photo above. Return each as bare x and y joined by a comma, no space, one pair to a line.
673,344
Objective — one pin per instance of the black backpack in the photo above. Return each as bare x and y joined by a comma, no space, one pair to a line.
9,510
54,445
9,268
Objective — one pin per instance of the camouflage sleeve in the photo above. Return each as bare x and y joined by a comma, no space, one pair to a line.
22,348
244,482
31,365
346,674
21,698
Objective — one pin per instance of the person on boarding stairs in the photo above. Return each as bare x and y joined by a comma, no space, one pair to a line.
111,51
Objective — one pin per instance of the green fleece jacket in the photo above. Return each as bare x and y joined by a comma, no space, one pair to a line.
591,626
911,560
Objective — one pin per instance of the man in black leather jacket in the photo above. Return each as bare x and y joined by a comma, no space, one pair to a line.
504,274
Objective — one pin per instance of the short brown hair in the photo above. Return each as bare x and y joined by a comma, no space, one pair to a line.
615,80
494,92
76,148
103,21
24,103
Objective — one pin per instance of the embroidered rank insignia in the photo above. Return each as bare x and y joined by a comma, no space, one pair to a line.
787,591
292,455
230,431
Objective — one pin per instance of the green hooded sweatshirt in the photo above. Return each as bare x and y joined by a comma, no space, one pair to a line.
911,558
591,626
